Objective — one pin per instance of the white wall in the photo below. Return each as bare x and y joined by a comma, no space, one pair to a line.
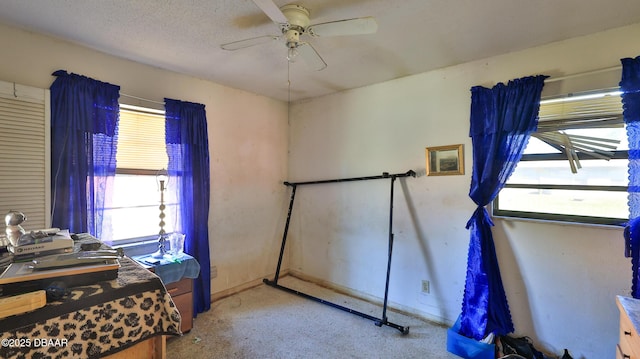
561,280
247,139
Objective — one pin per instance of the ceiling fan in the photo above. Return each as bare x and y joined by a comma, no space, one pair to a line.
294,22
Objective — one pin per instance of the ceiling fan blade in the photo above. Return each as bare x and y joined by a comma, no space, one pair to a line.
311,56
272,10
357,26
248,42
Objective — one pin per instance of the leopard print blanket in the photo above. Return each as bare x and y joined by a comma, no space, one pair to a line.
95,320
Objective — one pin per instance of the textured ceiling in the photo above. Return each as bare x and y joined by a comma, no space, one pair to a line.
414,36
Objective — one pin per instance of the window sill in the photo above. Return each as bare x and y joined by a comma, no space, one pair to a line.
138,248
556,222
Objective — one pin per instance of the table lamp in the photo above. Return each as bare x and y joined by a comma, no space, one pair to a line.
162,178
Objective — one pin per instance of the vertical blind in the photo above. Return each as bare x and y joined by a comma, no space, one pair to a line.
25,153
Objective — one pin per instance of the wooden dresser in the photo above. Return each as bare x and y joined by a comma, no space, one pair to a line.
629,343
182,295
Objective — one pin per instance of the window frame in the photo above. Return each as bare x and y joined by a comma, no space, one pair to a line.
151,238
562,218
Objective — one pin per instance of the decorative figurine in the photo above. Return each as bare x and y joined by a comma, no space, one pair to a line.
14,230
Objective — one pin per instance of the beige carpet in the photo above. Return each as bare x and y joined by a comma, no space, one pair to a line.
265,322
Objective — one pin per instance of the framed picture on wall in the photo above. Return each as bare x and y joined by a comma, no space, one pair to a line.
445,160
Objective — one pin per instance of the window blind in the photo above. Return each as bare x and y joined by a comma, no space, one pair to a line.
589,110
596,110
141,141
24,153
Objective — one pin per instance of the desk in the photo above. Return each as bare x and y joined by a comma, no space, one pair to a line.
177,273
93,321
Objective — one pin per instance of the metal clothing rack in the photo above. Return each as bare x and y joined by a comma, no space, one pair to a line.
377,321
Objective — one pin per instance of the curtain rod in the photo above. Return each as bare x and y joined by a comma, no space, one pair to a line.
141,99
554,79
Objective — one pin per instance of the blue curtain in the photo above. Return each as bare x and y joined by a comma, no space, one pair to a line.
84,135
630,87
502,120
188,150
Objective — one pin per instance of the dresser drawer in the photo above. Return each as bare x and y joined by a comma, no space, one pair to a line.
185,285
619,354
182,295
625,352
184,303
628,337
629,342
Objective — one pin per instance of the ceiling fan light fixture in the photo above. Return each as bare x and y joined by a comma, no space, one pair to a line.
292,37
293,40
292,54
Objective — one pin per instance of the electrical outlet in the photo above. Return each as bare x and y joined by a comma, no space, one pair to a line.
425,286
214,271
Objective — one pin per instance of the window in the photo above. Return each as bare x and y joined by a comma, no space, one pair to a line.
133,213
574,168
